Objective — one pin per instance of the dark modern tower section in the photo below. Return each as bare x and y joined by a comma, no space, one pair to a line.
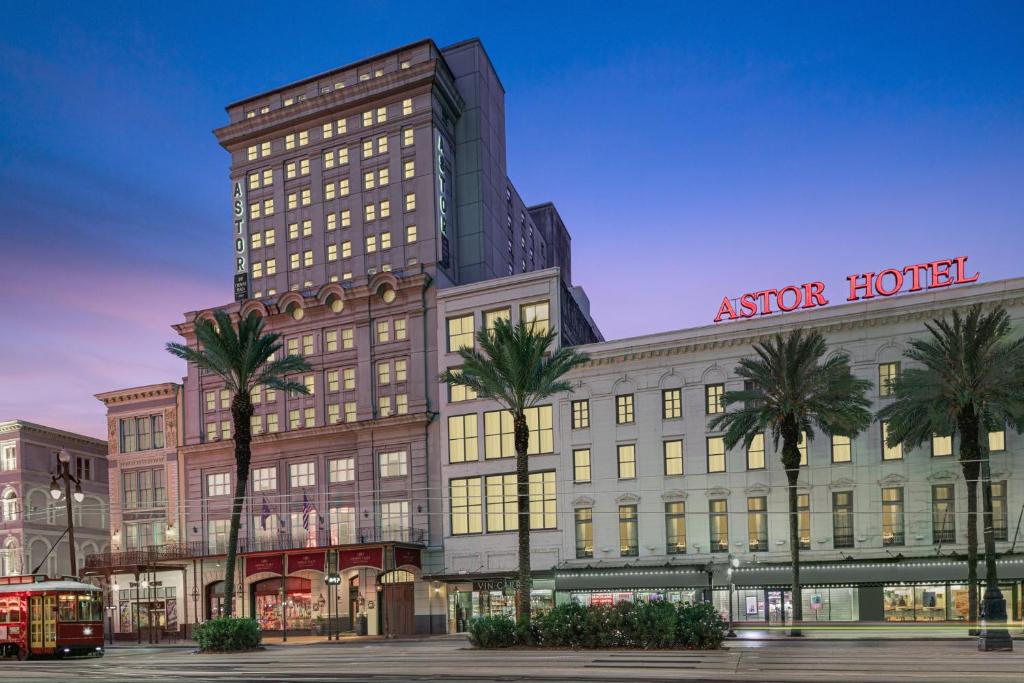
559,253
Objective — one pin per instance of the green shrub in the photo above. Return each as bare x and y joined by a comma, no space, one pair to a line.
492,632
701,627
227,634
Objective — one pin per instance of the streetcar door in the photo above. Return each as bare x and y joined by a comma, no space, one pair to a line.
50,621
35,621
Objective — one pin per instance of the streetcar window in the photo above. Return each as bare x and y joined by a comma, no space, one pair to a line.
67,611
14,612
89,608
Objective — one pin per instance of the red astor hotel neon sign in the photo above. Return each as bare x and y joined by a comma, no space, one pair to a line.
920,276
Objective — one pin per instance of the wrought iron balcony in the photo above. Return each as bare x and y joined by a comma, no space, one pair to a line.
148,555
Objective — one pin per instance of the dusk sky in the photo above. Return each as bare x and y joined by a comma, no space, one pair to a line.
694,152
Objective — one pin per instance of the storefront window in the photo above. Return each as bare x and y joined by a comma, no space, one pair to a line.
298,601
898,603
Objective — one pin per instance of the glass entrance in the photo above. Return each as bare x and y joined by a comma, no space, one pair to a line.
780,607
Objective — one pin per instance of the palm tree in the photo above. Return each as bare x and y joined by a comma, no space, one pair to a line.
971,382
514,367
788,390
244,358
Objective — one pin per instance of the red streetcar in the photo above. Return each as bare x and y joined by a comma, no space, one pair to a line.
41,617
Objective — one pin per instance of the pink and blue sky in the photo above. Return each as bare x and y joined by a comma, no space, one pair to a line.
694,151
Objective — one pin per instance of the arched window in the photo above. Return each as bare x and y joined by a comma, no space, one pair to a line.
9,506
10,558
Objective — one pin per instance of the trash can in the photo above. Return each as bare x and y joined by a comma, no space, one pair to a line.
361,625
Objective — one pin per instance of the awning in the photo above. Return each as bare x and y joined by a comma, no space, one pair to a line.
925,570
626,578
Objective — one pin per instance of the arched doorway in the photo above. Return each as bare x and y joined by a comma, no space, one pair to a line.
215,599
354,608
294,596
397,614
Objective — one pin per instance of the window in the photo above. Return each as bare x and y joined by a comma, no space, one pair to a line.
8,457
997,441
499,440
294,422
384,406
384,372
264,479
410,201
713,403
383,331
671,403
466,506
348,338
501,502
535,316
803,520
460,332
624,409
143,489
400,329
457,393
584,519
409,169
401,404
627,461
407,137
581,465
394,520
342,521
943,514
941,446
629,539
139,535
539,422
675,528
217,535
310,415
892,516
890,453
716,454
348,378
272,423
718,522
841,451
463,444
410,234
341,470
147,432
218,484
755,453
401,373
350,411
393,464
842,519
492,317
999,511
802,447
309,382
757,524
333,413
406,107
581,414
302,474
887,373
673,452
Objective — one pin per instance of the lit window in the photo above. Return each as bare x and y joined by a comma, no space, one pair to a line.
393,464
346,218
460,332
367,149
350,411
802,447
348,338
581,465
458,393
716,454
997,441
673,452
841,449
225,429
370,212
371,244
307,258
257,269
341,470
401,404
624,409
627,461
332,380
385,240
463,442
409,169
369,180
407,137
348,376
382,144
269,238
535,316
942,446
264,479
385,208
466,506
265,149
887,373
581,414
332,252
310,415
400,329
671,403
410,234
367,119
293,261
310,384
755,453
539,422
271,266
401,370
890,453
272,423
499,439
294,419
410,201
218,484
302,474
406,107
713,394
384,372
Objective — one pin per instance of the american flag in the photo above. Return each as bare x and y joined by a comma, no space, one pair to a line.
264,514
306,509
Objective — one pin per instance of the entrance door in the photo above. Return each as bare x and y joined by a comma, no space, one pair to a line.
35,622
353,601
780,607
399,603
43,622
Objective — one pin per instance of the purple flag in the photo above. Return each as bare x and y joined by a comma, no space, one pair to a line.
306,509
264,514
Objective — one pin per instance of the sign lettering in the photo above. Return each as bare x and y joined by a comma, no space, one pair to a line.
862,286
444,195
241,247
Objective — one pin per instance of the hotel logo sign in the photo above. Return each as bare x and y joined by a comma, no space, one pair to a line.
238,198
862,286
445,201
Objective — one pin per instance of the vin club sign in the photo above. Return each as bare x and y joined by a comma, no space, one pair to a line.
915,278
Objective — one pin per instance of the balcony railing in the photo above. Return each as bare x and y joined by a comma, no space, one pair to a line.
322,539
147,555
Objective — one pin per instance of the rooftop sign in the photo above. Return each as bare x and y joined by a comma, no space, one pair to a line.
914,278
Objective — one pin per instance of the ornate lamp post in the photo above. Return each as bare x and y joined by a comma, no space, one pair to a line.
734,563
64,474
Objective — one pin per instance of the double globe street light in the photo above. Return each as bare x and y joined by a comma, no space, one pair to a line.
64,474
734,563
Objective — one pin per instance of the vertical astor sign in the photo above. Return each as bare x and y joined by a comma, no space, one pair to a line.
241,241
445,206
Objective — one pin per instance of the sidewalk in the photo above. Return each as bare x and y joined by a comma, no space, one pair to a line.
865,631
292,640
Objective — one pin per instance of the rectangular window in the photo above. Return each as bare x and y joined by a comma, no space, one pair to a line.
350,411
841,450
342,520
893,453
401,373
410,234
460,332
716,454
8,457
803,512
294,419
217,535
499,439
673,452
466,506
225,429
757,524
458,393
348,379
310,415
393,464
627,461
406,107
501,502
400,329
407,137
384,406
272,426
408,169
997,441
755,453
302,474
624,409
581,414
348,339
943,514
713,403
887,373
384,372
584,520
333,413
718,522
394,519
309,382
463,443
264,479
410,201
332,380
383,331
129,440
539,422
629,537
341,470
802,447
941,446
671,403
675,528
218,484
581,465
892,516
1000,517
842,519
543,501
535,316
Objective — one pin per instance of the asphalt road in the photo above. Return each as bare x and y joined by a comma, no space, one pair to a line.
454,660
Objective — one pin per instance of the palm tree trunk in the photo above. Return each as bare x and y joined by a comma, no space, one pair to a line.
994,635
794,545
969,460
522,442
241,413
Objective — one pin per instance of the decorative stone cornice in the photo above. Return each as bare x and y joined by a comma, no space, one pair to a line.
942,475
841,484
583,502
718,492
892,479
31,427
146,393
627,499
758,489
674,496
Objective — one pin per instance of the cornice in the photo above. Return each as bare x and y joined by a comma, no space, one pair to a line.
166,389
32,427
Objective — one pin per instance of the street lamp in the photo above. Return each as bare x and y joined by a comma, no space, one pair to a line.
734,563
64,474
